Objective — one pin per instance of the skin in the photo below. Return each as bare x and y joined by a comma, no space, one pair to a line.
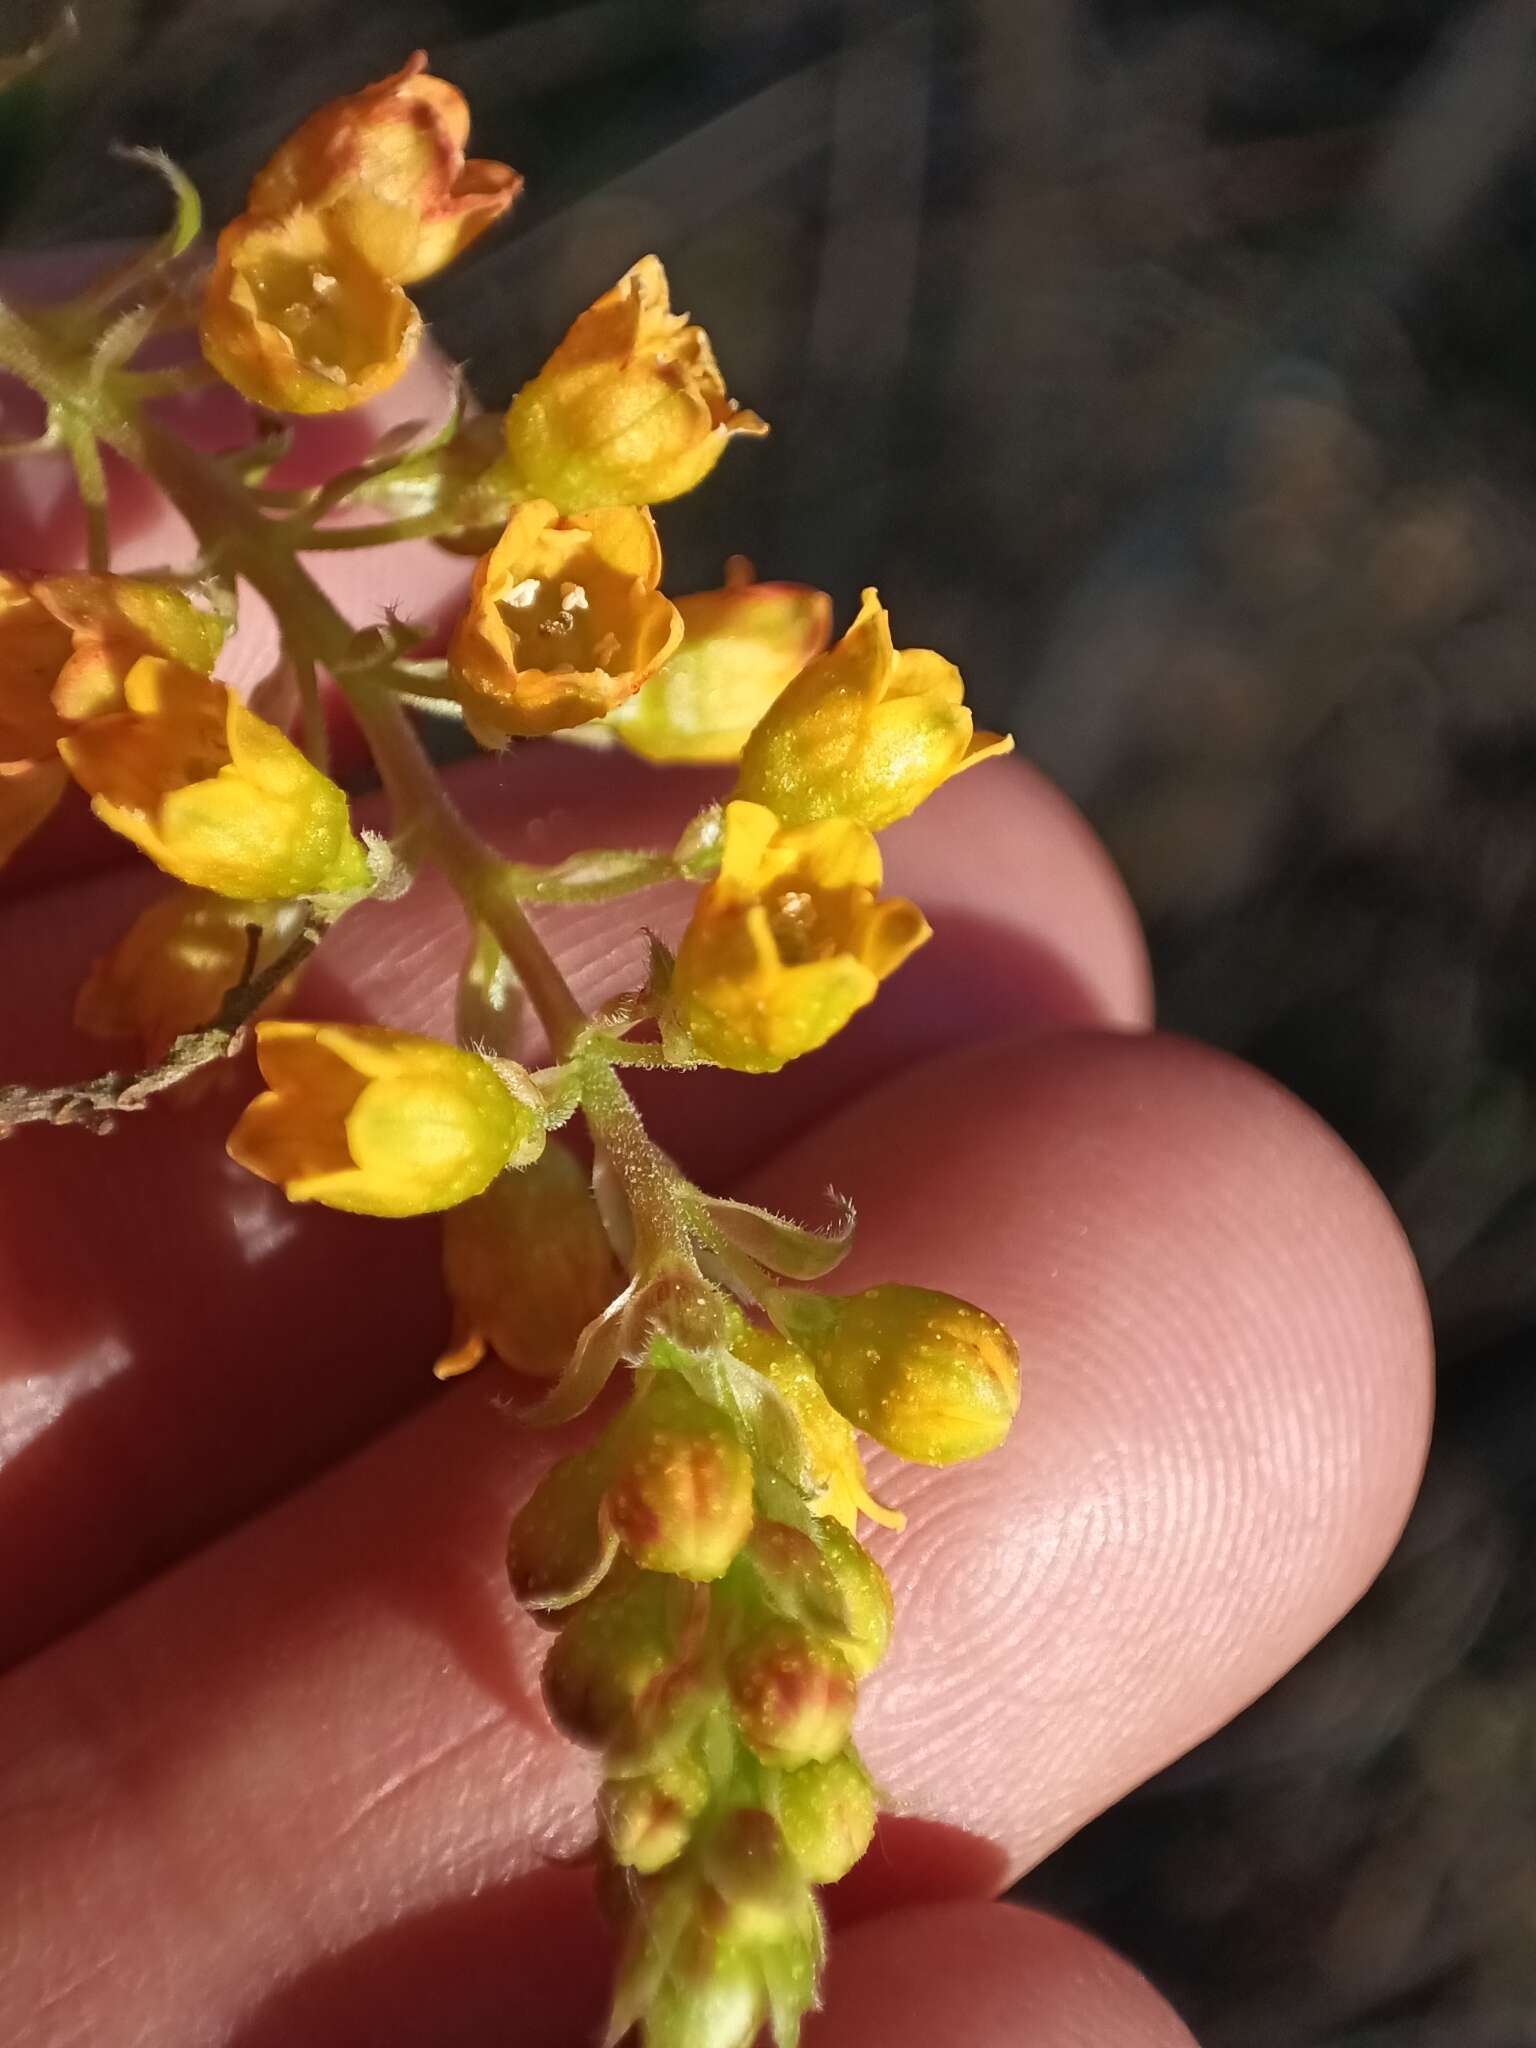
273,1768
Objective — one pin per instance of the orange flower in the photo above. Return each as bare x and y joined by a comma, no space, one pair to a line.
304,310
631,407
175,964
564,622
387,165
33,648
296,320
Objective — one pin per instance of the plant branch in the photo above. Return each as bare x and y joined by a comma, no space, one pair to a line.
95,1104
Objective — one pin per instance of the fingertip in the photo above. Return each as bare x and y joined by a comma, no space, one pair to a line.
1225,1407
991,1976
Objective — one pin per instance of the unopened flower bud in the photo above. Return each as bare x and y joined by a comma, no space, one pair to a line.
527,1265
558,1548
680,1499
716,1998
615,1647
175,964
746,1859
827,1814
648,1820
793,1696
927,1375
864,1593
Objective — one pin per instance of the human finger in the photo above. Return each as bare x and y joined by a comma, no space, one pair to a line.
327,1726
178,1344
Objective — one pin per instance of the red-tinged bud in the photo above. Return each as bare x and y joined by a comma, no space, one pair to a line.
827,1815
793,1696
680,1497
795,1579
614,1649
648,1820
558,1549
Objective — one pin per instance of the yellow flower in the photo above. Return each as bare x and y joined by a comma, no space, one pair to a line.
528,1265
304,310
830,1444
630,409
33,649
788,942
564,621
864,733
386,165
741,645
176,963
212,793
931,1377
380,1123
296,320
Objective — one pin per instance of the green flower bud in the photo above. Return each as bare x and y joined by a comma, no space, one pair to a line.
716,1999
827,1816
746,1859
793,1696
615,1649
927,1375
865,1595
557,1550
680,1495
648,1820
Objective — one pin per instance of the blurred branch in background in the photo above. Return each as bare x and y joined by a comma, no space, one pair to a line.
1173,360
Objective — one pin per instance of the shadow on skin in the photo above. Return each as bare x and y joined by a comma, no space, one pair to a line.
529,1961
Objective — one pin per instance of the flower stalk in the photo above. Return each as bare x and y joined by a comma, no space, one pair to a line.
713,1612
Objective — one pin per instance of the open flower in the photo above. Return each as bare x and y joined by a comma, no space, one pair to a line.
630,409
175,964
831,1447
788,942
381,1123
741,646
296,320
865,732
564,621
304,310
33,649
212,793
387,166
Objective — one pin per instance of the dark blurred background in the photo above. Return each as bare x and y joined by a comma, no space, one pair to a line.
1170,365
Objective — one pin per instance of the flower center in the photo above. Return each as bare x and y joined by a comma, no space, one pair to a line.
555,628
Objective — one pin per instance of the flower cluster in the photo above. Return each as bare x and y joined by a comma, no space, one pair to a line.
699,1561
